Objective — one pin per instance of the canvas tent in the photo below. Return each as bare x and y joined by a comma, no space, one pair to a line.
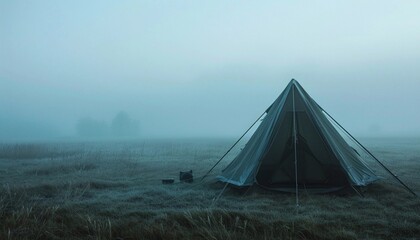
296,146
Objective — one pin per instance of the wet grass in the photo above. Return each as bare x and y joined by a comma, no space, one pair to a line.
113,190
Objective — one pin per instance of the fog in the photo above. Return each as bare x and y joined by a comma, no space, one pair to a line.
203,68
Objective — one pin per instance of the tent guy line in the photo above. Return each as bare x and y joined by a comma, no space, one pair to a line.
368,152
230,149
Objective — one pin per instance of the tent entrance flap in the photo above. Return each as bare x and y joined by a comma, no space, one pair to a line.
317,166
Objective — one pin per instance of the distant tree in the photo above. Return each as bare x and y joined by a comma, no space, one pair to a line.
123,126
88,127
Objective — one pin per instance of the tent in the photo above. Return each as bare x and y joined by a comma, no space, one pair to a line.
297,146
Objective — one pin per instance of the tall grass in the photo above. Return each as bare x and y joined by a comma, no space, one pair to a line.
32,151
113,191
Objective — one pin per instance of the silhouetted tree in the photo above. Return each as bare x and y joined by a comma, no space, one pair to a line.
123,126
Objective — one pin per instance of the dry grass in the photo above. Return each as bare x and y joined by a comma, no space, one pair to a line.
112,190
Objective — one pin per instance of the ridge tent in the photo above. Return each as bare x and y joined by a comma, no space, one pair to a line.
297,147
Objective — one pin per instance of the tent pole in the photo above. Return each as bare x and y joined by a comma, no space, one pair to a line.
230,149
380,163
295,141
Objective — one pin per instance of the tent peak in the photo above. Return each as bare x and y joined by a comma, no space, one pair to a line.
294,81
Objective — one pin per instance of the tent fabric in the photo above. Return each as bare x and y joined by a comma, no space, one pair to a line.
324,159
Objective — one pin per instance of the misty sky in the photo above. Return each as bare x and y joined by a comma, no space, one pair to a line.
206,68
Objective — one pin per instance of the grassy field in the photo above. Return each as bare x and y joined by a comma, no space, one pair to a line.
113,190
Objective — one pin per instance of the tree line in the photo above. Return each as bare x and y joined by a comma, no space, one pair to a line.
122,125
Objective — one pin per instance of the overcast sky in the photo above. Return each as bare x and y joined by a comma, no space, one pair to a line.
206,68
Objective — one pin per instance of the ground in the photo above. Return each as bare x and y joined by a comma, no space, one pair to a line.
113,190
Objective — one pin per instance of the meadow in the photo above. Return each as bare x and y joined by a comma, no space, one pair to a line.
113,190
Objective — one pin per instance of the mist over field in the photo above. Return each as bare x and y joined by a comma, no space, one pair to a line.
203,69
119,120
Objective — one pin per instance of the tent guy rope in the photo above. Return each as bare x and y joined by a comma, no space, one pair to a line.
369,153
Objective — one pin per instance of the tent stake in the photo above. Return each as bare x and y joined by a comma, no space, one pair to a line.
230,149
389,171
